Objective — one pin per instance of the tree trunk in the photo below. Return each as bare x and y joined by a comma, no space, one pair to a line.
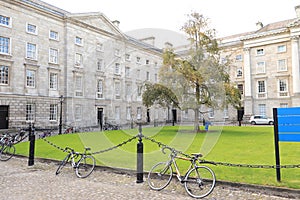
196,121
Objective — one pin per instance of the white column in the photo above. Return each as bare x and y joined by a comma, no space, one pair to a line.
248,100
247,73
295,65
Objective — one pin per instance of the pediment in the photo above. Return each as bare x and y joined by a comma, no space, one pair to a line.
97,20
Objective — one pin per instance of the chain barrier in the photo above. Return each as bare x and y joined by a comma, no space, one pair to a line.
160,144
54,145
223,163
97,152
116,146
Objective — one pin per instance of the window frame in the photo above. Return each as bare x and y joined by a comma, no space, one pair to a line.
30,78
30,112
78,85
4,75
29,51
260,52
280,67
9,21
261,89
53,58
53,114
117,69
53,83
78,41
261,67
78,59
281,51
117,89
6,45
100,89
53,38
29,30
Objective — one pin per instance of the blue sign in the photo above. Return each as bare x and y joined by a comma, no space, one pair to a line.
288,124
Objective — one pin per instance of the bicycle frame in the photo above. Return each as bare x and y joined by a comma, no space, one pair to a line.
178,174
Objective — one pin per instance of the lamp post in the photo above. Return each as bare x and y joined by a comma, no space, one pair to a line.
61,99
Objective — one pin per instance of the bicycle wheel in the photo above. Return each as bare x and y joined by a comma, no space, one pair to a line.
62,164
85,166
200,182
160,175
7,152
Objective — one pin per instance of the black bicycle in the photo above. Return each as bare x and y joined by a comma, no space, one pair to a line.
7,148
82,163
199,181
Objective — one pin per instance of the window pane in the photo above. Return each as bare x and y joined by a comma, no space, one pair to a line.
30,112
31,51
31,28
261,87
30,78
4,74
53,112
53,81
4,45
4,20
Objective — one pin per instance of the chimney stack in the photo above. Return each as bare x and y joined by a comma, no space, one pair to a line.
116,23
259,25
297,9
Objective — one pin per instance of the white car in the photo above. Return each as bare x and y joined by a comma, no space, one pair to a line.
260,119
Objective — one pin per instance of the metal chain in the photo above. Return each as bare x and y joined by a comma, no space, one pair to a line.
166,146
54,145
223,163
114,147
252,166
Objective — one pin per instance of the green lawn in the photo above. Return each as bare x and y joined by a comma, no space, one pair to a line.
252,145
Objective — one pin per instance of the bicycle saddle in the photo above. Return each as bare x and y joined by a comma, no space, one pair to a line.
197,155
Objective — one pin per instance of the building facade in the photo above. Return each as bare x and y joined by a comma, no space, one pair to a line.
266,66
80,66
81,69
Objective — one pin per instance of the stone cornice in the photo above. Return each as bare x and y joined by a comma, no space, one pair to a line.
264,34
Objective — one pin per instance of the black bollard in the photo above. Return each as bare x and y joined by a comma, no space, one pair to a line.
31,145
140,159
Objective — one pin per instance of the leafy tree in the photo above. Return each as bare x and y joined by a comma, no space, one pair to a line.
198,76
159,94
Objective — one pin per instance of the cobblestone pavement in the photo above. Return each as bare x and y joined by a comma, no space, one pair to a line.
21,182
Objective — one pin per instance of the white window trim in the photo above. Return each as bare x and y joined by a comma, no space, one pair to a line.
265,84
283,50
10,22
81,59
9,47
57,58
278,67
81,39
54,114
257,50
257,67
36,29
36,51
55,39
56,83
100,93
34,79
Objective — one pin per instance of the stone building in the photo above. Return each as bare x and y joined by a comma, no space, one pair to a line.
80,66
266,66
84,68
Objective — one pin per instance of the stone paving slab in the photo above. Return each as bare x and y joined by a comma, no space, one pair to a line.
19,181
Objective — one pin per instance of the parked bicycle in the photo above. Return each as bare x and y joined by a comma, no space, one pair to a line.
7,148
46,133
82,163
199,181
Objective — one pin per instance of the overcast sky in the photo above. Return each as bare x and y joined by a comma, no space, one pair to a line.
228,17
